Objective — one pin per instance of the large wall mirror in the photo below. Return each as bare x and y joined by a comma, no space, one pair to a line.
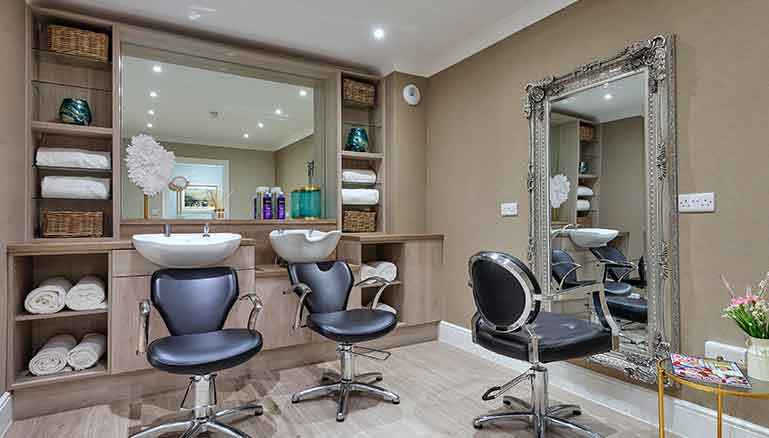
232,129
603,193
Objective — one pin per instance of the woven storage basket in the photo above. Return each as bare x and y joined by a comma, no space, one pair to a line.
358,93
73,224
586,133
71,41
355,221
585,221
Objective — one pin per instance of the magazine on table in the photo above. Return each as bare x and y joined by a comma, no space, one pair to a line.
711,371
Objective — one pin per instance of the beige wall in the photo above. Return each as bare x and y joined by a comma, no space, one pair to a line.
406,172
248,170
478,145
622,200
12,141
291,166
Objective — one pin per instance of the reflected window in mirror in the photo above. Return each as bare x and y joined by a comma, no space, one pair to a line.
233,129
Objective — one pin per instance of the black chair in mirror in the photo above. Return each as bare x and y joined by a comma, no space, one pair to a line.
509,322
324,290
194,304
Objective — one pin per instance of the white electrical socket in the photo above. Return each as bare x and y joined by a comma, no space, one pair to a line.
728,352
509,209
697,202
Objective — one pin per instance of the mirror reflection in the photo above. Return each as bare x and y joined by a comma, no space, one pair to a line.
245,141
598,198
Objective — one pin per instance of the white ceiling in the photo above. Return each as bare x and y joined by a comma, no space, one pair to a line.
186,96
422,37
627,100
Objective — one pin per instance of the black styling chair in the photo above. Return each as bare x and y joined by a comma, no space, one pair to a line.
509,322
618,268
324,289
564,270
194,304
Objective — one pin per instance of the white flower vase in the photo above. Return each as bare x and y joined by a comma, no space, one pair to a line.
758,358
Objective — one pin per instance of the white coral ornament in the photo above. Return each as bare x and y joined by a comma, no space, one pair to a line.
559,190
149,164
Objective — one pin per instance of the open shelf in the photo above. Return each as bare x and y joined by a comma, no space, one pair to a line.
68,129
25,379
54,169
62,314
587,176
362,155
46,56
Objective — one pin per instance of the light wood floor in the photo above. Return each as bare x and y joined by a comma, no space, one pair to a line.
440,389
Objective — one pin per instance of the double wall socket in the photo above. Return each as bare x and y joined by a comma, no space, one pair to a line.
509,209
697,202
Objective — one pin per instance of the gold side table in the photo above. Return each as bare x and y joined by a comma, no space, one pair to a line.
759,390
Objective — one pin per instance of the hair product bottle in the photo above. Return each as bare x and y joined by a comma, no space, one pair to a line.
267,206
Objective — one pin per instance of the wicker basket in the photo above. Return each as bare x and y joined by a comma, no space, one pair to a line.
586,133
77,42
355,221
73,224
358,93
585,221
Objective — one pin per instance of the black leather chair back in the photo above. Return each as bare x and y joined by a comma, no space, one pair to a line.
194,300
504,290
331,283
560,265
614,254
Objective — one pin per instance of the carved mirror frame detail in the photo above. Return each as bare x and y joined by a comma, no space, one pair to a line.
656,58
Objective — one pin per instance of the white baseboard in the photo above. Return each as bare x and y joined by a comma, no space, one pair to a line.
6,413
682,418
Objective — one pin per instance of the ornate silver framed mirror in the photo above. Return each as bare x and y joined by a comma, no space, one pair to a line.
603,192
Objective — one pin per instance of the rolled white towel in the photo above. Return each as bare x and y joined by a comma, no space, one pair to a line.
386,270
48,297
584,191
360,176
52,358
583,205
69,157
75,187
360,196
88,351
88,294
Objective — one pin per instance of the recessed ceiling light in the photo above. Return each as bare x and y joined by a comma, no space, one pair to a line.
278,111
303,93
194,15
608,96
245,135
157,69
379,33
149,125
153,94
261,125
151,112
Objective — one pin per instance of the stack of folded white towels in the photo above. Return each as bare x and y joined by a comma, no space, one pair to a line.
62,353
54,294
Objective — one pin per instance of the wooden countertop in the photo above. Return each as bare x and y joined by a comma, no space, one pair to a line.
306,222
67,246
388,237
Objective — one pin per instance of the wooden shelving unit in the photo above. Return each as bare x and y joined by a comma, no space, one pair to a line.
51,78
26,380
373,120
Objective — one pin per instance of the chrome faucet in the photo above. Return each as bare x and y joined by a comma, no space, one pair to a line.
167,230
205,230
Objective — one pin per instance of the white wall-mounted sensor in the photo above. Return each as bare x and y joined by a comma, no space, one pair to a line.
412,95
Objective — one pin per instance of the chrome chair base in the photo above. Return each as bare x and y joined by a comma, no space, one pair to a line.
538,413
345,383
204,418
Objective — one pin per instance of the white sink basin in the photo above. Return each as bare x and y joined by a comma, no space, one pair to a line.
592,237
186,250
304,246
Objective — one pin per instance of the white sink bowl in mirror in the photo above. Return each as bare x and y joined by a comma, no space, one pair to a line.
186,250
592,237
304,246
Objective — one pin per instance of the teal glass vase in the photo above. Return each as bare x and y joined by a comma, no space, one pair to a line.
75,111
357,140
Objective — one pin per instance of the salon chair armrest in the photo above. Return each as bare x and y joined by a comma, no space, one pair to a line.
257,304
601,308
375,281
302,290
144,327
631,267
575,268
